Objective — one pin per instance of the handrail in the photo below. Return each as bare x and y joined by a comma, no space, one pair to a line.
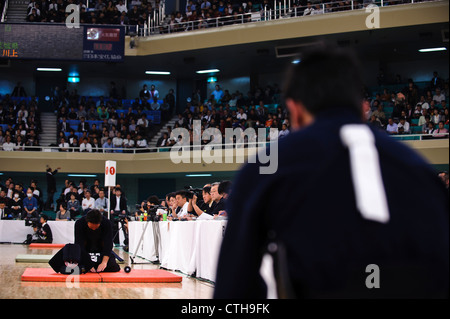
164,149
5,8
281,9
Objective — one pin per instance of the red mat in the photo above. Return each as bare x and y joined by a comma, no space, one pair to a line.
140,275
136,275
41,245
49,275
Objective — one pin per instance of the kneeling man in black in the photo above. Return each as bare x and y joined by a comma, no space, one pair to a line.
92,250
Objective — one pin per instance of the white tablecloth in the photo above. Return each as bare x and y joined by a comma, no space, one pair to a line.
15,231
187,246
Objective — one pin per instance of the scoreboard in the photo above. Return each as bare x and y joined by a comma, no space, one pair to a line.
50,41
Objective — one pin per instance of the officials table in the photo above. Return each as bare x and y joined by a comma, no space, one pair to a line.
186,246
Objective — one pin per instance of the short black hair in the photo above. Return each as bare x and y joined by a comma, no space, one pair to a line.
94,216
326,78
170,195
45,217
207,189
182,193
153,200
224,187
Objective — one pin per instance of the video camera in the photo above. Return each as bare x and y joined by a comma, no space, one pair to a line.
193,191
32,221
150,209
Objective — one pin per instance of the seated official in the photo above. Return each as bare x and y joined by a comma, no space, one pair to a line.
182,211
92,249
43,233
219,200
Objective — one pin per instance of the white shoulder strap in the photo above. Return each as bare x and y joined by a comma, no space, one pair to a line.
366,173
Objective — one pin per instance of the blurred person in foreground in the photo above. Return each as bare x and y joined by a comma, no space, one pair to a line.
360,235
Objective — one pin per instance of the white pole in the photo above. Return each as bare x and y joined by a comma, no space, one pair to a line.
284,7
109,201
275,8
279,6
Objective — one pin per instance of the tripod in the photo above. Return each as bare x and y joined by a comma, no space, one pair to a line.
156,237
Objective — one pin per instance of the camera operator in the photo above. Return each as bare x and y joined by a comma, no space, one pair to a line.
204,205
43,232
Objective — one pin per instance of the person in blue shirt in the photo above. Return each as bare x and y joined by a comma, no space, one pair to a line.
30,206
108,146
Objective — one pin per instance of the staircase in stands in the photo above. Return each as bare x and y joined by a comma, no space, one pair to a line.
49,129
17,11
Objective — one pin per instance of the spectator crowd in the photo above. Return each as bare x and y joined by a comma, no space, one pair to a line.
20,123
412,110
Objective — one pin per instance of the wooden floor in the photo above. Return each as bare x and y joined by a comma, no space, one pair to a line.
11,287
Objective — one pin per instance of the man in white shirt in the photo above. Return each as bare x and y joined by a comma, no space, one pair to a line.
8,145
101,203
403,126
118,142
183,204
85,146
121,7
141,142
88,202
438,96
143,121
392,127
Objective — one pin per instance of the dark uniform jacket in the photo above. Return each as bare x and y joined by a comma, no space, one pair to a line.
308,207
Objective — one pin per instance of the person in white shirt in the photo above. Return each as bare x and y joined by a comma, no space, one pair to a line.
143,121
403,126
8,145
101,202
309,9
392,127
121,7
128,142
141,142
241,115
183,203
88,202
63,145
85,146
118,142
438,96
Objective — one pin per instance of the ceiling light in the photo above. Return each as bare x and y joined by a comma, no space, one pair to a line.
208,71
158,72
199,175
433,49
49,69
81,175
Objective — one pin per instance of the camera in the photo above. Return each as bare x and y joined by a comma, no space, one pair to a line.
193,191
32,221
